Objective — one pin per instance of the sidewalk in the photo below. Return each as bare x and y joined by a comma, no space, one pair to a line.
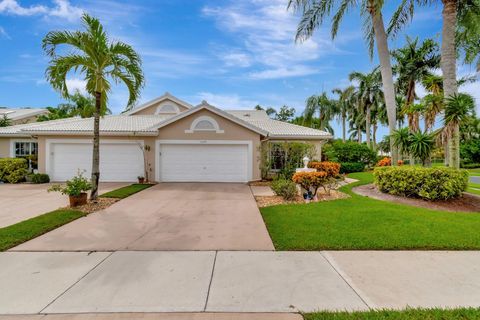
234,281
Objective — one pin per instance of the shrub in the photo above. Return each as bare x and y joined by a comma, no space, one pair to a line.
387,161
284,188
331,168
310,180
349,151
13,170
74,187
470,165
40,178
470,151
349,167
418,182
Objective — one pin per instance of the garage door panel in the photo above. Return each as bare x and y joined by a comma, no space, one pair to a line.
204,163
118,161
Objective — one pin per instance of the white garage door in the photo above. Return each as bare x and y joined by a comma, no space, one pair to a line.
118,161
204,162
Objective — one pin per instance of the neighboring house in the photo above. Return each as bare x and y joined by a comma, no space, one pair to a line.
176,141
22,115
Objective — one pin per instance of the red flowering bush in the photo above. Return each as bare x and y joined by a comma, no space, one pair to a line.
400,162
331,168
310,180
385,162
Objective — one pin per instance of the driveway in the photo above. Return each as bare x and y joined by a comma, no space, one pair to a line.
24,201
168,216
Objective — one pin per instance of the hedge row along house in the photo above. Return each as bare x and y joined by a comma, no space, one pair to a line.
166,139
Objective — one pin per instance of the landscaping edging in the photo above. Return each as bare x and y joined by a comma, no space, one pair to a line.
466,203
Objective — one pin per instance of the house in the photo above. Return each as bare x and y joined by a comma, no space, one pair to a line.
172,139
21,115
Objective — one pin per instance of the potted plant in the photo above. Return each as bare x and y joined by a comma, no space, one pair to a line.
141,179
76,189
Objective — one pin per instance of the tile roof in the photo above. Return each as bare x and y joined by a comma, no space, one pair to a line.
281,129
21,113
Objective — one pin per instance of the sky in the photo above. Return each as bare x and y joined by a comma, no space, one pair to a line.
234,54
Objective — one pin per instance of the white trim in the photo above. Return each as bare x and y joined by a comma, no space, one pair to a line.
165,96
195,122
159,109
248,143
12,145
49,142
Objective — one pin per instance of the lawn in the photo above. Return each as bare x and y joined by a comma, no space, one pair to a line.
362,223
126,191
18,233
410,314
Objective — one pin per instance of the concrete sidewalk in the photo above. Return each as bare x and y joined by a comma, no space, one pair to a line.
234,281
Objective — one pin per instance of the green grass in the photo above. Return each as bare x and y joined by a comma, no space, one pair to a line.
409,314
474,191
126,191
362,223
18,233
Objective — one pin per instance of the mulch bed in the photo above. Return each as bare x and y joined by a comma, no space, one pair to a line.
260,183
263,201
465,203
99,204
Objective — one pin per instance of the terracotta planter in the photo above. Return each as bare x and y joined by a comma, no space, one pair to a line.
76,201
141,180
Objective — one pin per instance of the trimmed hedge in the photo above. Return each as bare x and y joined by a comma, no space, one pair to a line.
349,151
470,165
418,182
13,170
350,167
40,178
284,188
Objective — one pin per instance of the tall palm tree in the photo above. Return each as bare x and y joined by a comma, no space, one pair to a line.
401,140
458,109
344,103
369,95
99,60
314,12
324,106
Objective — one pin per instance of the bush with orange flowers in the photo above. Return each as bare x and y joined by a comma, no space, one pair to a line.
387,162
310,180
331,168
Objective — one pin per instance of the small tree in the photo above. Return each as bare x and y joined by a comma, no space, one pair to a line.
5,122
422,145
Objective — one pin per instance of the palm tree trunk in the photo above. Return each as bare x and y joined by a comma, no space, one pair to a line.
367,125
448,50
454,159
387,76
96,147
344,125
359,135
374,136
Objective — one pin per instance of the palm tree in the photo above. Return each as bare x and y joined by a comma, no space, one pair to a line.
401,140
314,13
84,106
100,61
369,95
344,106
324,106
458,109
422,145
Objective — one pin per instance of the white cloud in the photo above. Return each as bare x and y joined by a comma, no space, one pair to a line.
3,33
61,9
266,31
75,84
226,101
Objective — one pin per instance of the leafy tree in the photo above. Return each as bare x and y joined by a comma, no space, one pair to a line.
458,109
285,114
100,61
314,13
271,112
4,121
62,111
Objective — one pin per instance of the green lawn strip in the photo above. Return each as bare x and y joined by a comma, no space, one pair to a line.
474,185
362,223
473,190
18,233
126,191
409,314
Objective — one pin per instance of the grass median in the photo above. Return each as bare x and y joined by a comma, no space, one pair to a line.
409,314
362,223
126,191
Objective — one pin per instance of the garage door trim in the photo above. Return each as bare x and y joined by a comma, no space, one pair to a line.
248,143
50,142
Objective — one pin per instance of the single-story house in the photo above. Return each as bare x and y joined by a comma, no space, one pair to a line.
22,115
168,138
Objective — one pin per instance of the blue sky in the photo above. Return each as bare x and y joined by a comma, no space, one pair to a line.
234,54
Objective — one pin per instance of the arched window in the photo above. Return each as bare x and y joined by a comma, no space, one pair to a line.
204,124
167,108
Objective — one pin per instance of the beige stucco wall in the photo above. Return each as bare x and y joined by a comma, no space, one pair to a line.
152,109
148,141
4,147
232,131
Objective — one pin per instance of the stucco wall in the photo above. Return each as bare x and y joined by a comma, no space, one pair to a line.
232,131
153,109
148,141
4,147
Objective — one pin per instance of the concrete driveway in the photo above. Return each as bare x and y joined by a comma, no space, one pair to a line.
168,216
24,201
